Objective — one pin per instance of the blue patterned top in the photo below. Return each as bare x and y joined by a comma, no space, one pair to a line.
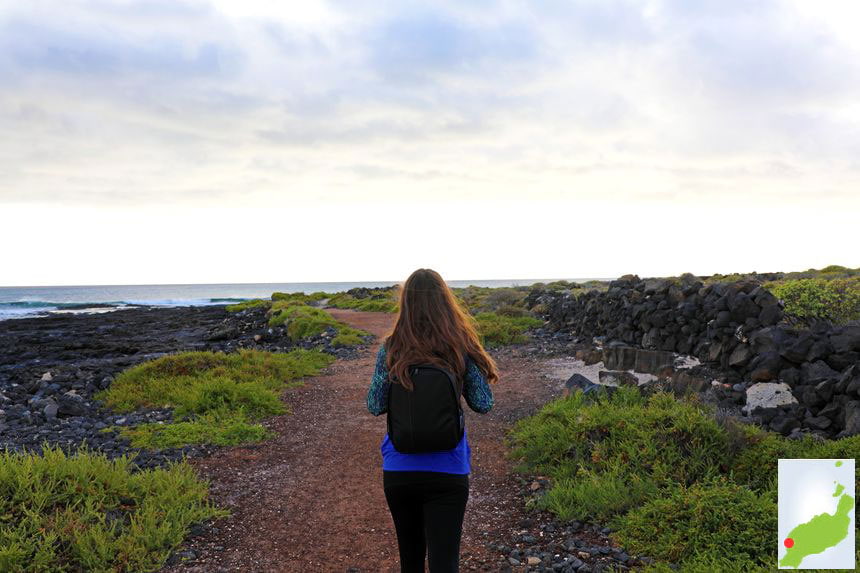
478,396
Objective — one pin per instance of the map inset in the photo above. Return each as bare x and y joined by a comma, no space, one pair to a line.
816,514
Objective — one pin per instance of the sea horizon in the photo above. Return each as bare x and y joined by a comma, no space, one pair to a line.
35,301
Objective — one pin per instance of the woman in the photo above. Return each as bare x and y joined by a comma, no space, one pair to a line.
427,492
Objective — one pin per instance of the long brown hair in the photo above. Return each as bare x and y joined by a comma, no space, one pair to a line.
433,328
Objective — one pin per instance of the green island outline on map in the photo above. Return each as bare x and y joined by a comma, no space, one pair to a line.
823,531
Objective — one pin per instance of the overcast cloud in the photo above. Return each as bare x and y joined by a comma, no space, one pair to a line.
251,103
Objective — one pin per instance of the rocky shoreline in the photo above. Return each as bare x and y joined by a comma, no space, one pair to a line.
50,368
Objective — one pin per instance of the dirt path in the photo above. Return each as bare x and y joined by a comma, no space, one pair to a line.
311,499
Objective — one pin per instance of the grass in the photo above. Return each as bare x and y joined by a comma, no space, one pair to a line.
216,398
299,297
245,305
88,513
673,482
304,321
497,329
382,302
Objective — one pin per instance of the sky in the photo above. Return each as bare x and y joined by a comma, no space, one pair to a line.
174,141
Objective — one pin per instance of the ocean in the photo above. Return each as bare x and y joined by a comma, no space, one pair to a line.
21,302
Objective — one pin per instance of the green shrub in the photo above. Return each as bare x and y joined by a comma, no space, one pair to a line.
511,311
756,465
718,518
377,303
88,513
215,397
497,330
837,300
661,438
490,299
598,495
306,321
214,428
672,481
299,297
245,305
348,336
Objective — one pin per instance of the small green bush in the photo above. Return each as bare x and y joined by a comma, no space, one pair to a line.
497,330
348,336
837,300
245,305
490,299
716,518
673,482
626,436
299,297
756,465
215,397
88,513
598,495
381,303
306,321
215,428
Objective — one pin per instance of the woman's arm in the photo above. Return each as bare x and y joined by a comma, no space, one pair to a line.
478,395
377,394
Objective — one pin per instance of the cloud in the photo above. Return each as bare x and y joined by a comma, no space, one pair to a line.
147,102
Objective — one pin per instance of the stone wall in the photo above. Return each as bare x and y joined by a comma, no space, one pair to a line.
739,328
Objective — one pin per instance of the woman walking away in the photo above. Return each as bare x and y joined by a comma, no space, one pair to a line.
431,358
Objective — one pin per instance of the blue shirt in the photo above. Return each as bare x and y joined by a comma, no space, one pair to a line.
478,396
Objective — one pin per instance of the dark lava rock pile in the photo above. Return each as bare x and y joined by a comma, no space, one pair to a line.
739,329
50,368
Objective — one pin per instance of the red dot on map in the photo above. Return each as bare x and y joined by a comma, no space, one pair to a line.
789,542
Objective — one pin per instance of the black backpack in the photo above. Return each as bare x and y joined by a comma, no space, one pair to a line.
428,418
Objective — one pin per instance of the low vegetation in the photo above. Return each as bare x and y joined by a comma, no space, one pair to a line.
836,299
246,304
88,513
479,299
379,301
299,297
303,321
216,398
672,481
498,329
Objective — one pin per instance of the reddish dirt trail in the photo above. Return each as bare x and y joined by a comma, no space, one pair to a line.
311,498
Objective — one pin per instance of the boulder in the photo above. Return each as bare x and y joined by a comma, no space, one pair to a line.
818,370
818,423
684,381
652,361
852,420
589,355
740,355
578,381
50,410
768,395
797,352
790,376
766,366
770,315
825,389
71,404
847,340
770,338
841,360
618,378
619,357
784,424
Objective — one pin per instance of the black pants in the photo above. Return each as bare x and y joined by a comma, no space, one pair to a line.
427,509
